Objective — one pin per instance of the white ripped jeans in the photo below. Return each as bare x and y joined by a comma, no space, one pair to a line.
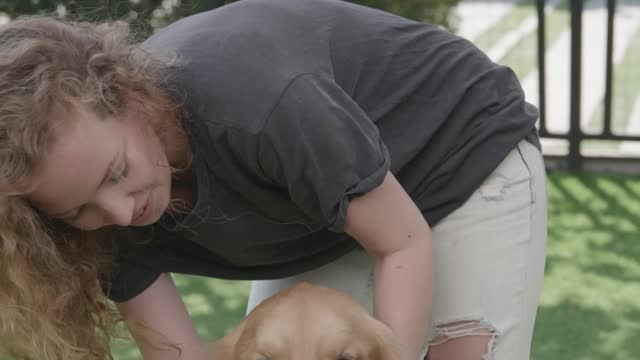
489,262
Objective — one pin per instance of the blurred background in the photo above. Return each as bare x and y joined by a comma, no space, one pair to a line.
578,62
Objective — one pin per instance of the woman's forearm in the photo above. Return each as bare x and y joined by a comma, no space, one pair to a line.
393,230
403,291
160,324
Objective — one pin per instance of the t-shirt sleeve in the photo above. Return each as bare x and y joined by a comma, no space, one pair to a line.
131,275
323,147
128,281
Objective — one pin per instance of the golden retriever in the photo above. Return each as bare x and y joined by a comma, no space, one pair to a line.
309,322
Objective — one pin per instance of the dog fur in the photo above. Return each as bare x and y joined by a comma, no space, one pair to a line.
309,322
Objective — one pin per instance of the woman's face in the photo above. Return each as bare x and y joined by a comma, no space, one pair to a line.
102,172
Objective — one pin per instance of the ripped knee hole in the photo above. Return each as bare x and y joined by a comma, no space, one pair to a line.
461,329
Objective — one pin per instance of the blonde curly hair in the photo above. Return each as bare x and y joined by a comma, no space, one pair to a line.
52,304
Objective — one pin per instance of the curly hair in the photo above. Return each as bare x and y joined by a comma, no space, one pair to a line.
52,304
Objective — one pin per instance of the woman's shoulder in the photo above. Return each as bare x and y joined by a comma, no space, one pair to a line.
232,69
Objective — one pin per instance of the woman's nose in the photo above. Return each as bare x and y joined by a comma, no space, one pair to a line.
118,208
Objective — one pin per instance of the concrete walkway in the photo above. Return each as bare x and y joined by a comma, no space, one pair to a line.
477,16
528,26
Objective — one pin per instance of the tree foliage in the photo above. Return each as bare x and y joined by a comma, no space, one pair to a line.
149,14
438,12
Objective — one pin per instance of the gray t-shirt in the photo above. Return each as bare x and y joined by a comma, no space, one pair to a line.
294,107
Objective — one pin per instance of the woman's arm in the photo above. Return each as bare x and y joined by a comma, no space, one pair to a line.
167,326
390,227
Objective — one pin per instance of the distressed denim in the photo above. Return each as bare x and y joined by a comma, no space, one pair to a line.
489,262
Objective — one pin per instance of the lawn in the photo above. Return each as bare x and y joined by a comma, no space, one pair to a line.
591,299
590,306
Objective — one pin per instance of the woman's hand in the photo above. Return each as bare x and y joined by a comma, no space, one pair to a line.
391,228
159,322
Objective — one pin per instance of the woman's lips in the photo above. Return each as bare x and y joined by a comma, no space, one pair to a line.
142,213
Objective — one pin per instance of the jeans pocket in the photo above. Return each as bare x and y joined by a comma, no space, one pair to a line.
513,170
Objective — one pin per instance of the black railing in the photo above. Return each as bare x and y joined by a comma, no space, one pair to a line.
575,160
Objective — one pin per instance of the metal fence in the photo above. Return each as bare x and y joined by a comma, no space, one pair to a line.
575,160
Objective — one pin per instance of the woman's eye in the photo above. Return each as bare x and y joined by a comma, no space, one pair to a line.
76,215
347,356
120,175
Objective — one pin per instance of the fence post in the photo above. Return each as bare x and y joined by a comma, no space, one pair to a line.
540,4
575,132
608,93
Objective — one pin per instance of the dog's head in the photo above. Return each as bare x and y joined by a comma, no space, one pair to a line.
309,322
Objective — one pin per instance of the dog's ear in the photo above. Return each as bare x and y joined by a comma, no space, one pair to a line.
387,345
224,348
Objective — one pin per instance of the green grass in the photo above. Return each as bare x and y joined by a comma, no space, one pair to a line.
590,307
214,305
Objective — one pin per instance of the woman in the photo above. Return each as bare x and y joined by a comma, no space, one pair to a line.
273,140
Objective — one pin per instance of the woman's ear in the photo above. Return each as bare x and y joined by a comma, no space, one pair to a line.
224,348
